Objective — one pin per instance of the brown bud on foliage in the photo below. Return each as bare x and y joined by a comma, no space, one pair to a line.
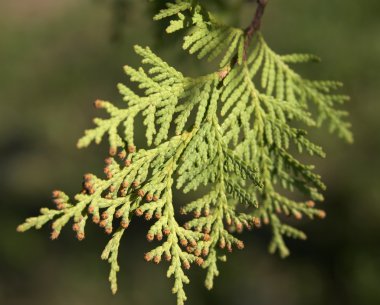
197,214
157,215
127,162
105,215
119,213
310,204
155,197
257,222
80,236
149,197
240,245
297,215
168,257
108,230
103,223
193,243
222,243
183,242
148,216
186,264
122,154
206,230
199,261
321,214
147,257
141,192
125,184
108,161
149,236
266,220
166,231
88,177
205,252
113,150
76,227
124,224
98,104
54,234
157,259
197,252
95,219
229,247
206,237
56,194
138,212
135,183
131,149
159,236
239,227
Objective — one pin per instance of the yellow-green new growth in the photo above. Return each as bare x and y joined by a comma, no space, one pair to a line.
231,131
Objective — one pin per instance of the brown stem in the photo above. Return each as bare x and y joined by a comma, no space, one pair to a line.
254,25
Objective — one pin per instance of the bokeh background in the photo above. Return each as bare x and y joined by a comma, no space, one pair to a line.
56,57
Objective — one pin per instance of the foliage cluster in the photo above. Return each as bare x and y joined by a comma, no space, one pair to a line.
233,133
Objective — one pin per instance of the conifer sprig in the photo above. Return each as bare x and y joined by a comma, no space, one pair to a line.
231,132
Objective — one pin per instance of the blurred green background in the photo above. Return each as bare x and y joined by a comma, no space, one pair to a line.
56,57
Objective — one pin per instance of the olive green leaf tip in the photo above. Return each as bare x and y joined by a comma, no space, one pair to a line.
235,133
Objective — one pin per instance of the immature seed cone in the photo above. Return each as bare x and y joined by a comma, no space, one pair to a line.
321,214
157,259
95,219
124,224
240,245
297,215
98,104
147,257
139,212
257,222
80,236
76,227
122,154
131,149
113,150
56,194
108,230
186,264
54,234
